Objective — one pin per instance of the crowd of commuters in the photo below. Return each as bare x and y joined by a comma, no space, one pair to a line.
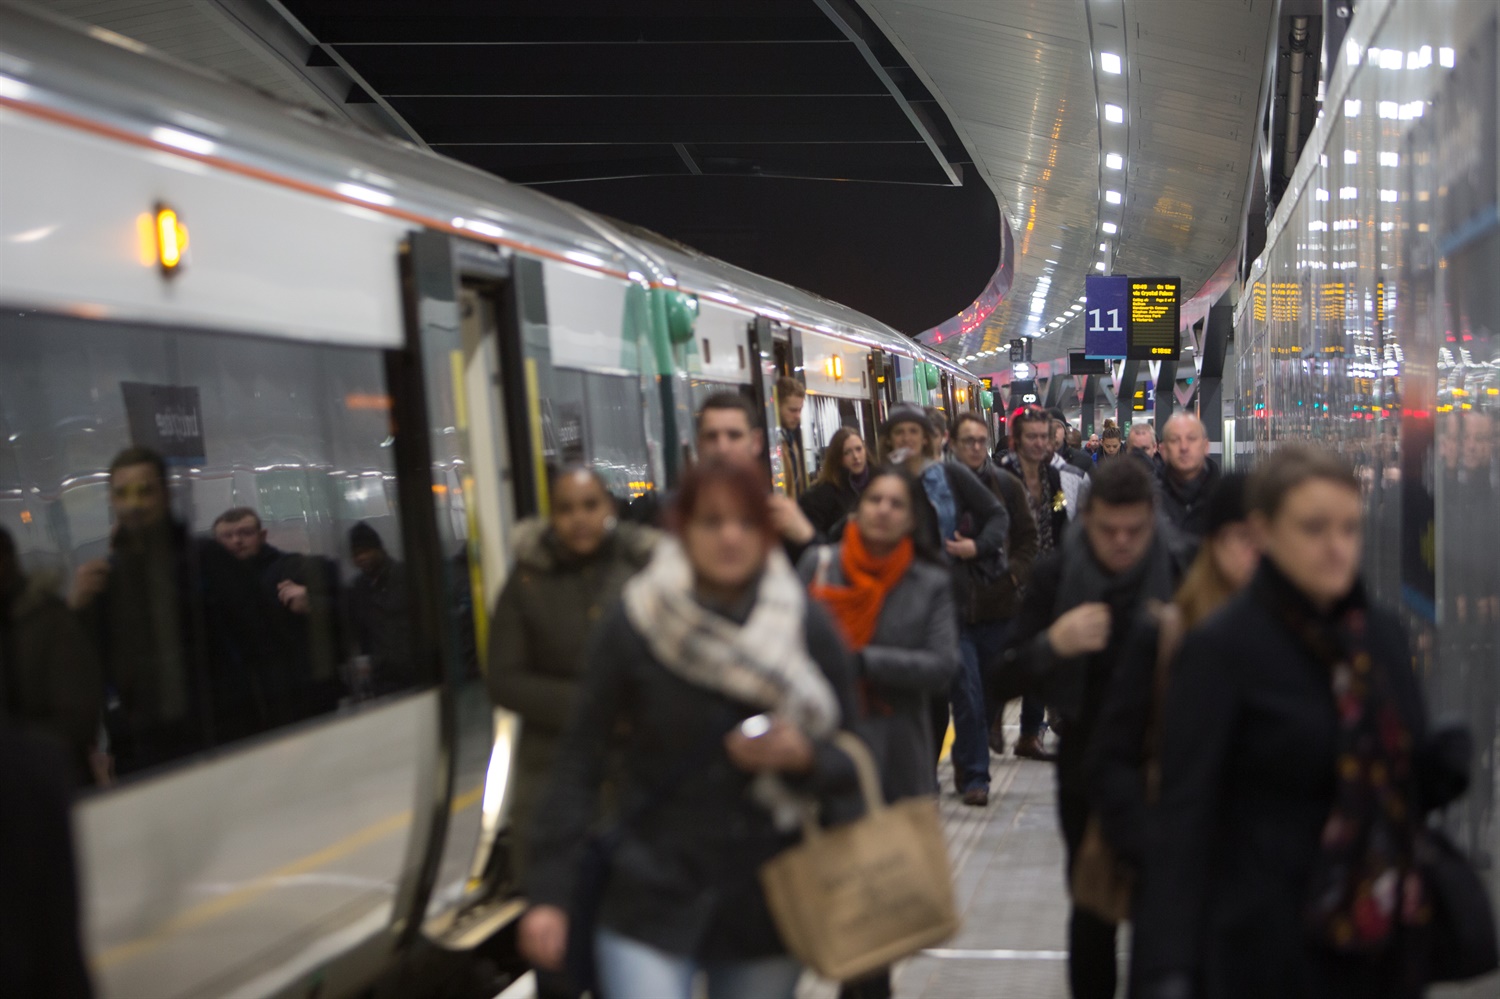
1240,740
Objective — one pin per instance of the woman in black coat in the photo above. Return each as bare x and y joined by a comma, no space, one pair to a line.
719,686
835,493
1280,860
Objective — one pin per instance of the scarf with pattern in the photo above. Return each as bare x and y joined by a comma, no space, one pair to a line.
1365,882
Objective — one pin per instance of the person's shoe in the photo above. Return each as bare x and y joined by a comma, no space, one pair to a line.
1030,747
979,797
997,739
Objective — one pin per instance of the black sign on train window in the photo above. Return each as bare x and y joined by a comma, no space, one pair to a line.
167,419
1155,310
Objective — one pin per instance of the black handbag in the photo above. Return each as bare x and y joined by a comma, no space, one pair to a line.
1463,923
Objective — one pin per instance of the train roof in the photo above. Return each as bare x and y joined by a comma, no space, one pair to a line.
114,84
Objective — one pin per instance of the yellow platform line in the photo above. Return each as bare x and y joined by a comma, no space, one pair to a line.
212,909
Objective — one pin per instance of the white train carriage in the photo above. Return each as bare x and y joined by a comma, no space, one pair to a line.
335,328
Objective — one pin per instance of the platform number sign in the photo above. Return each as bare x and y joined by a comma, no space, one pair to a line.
1106,317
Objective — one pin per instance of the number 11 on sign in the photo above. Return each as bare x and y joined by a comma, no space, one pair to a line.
1097,326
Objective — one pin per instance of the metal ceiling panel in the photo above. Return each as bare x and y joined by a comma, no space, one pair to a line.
1018,82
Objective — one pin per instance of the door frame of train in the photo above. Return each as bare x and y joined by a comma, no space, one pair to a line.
430,306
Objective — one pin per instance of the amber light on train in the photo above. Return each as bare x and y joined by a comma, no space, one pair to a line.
834,368
169,238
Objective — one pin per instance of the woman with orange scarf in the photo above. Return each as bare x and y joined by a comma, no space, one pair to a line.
894,608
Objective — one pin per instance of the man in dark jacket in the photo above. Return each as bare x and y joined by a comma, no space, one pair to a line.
280,645
1187,477
1069,636
144,608
993,604
379,613
1030,461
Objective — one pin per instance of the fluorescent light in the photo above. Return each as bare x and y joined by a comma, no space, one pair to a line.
1321,194
1103,247
1114,161
13,88
1109,62
1110,228
183,140
1390,159
1113,197
1100,267
1351,156
1447,58
1114,113
1388,195
1348,193
1388,109
1390,58
371,195
1352,53
1085,298
1351,109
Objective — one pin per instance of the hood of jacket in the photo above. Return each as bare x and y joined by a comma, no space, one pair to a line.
536,549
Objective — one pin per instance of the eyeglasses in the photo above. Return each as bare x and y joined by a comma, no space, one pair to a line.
973,441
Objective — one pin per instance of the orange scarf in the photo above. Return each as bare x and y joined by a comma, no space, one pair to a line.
856,605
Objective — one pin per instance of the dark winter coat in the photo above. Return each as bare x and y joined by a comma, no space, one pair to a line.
911,659
539,636
827,504
685,877
52,677
999,600
1247,769
1185,505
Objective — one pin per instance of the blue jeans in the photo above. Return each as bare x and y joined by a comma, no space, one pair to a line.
977,643
629,969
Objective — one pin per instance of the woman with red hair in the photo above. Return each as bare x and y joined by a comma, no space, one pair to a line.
718,686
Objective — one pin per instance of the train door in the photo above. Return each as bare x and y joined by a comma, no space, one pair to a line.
486,475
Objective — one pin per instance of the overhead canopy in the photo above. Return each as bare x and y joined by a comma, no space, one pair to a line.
1026,87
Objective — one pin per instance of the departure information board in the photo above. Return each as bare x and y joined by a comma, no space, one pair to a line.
1106,316
1154,312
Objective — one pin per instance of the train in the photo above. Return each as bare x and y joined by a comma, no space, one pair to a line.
334,328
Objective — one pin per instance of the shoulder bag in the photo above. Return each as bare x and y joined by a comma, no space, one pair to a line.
855,898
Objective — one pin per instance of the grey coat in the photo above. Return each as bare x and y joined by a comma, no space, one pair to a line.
913,656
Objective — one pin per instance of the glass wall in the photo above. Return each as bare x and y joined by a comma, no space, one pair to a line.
1369,326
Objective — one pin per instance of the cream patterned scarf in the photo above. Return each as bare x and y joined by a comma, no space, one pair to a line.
763,662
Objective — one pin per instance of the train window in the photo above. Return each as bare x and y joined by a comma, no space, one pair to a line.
209,524
602,412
